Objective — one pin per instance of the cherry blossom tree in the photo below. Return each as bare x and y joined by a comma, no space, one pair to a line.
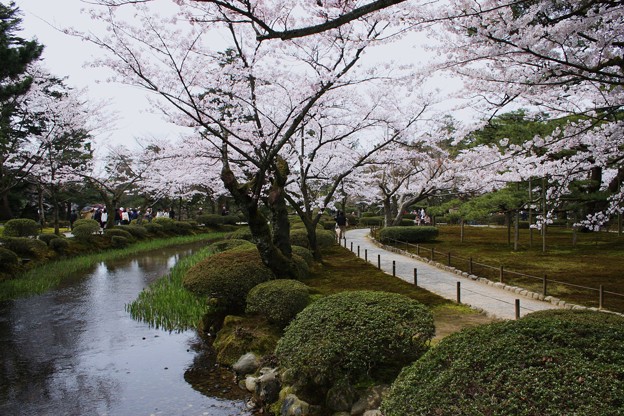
246,98
559,58
61,147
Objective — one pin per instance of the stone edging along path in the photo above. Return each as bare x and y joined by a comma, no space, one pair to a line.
538,300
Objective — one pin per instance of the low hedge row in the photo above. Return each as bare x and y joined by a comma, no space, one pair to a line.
413,234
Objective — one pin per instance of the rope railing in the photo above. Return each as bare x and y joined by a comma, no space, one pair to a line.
468,265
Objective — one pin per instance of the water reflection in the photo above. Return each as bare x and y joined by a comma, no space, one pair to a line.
75,351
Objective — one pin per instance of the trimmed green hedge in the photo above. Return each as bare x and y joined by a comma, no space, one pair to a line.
87,221
21,227
139,232
214,220
225,245
243,233
59,245
324,238
354,336
413,234
562,363
278,300
46,238
371,221
228,277
25,247
85,230
9,262
118,232
304,253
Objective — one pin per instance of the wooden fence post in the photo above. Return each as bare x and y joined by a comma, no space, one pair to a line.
415,277
393,268
545,285
458,292
365,254
379,261
517,308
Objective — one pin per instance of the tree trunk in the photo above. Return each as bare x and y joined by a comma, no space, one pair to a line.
461,229
5,207
271,255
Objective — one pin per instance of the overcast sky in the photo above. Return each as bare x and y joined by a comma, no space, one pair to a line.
66,56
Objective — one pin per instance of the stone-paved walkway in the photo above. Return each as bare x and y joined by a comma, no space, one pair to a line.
494,299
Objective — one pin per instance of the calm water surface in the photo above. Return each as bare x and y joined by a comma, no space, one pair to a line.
76,351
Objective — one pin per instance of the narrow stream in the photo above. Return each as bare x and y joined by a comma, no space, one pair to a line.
76,351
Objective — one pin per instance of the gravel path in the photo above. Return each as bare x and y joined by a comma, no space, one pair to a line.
495,299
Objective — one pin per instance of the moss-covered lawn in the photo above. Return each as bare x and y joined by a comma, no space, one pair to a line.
342,270
596,259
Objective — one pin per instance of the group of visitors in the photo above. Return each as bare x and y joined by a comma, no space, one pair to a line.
122,216
421,217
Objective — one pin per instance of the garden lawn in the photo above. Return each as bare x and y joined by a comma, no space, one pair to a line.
342,270
596,259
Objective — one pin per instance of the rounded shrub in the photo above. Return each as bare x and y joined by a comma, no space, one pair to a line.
413,234
211,220
167,225
304,253
228,277
118,232
25,247
154,229
118,241
278,300
86,231
355,335
568,363
46,238
21,227
243,233
303,270
59,245
225,245
299,237
371,221
9,262
324,238
87,221
137,231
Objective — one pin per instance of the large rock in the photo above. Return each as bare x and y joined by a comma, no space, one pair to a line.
370,400
340,397
267,387
246,364
293,406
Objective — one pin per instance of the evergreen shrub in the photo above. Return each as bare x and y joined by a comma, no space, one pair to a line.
243,233
211,220
372,221
324,238
154,229
168,225
353,336
228,277
46,238
561,363
352,220
139,232
86,231
224,245
59,245
21,227
303,270
86,221
25,247
304,253
118,241
9,262
118,232
278,300
413,234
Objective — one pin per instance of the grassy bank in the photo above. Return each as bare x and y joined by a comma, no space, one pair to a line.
596,259
167,304
51,275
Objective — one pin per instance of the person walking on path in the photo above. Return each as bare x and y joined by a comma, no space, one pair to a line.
341,225
492,299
